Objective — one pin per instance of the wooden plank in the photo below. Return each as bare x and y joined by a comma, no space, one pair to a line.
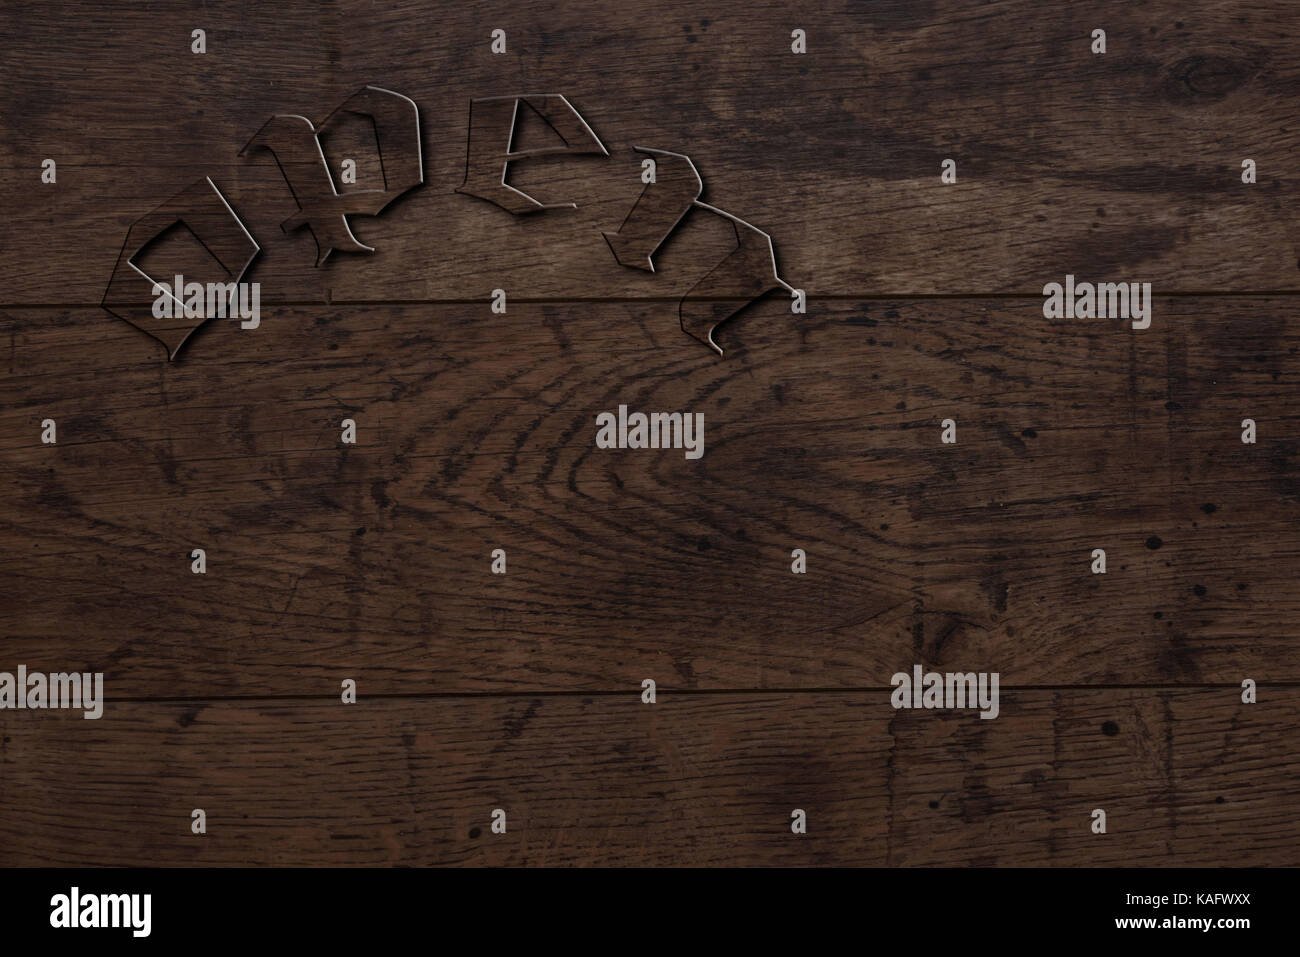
371,562
476,432
697,779
1119,166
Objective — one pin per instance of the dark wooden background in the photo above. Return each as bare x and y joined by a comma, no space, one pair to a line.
476,430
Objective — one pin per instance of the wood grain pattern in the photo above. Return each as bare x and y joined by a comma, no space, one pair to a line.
1113,165
821,433
700,779
475,431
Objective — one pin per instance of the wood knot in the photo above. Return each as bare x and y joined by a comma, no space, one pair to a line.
1204,77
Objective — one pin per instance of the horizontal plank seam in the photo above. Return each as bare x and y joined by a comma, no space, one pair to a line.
614,300
666,689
